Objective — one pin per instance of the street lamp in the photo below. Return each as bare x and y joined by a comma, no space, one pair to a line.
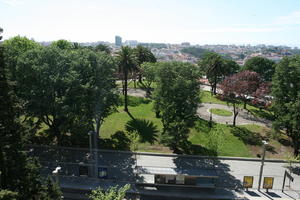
93,151
90,133
55,173
262,163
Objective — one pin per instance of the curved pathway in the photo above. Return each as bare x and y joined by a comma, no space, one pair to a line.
134,92
243,117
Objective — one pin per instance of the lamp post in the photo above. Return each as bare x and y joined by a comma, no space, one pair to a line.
262,163
90,133
55,173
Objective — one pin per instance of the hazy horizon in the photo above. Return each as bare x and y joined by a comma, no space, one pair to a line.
196,21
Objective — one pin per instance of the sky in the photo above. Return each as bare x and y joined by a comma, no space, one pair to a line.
272,22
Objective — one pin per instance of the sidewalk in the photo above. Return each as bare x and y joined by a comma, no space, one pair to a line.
82,185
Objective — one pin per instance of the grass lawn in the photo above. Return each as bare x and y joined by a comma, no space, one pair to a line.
117,121
240,141
221,112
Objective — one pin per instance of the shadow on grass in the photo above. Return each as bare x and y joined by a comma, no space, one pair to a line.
262,114
202,125
147,130
118,141
284,141
247,136
194,149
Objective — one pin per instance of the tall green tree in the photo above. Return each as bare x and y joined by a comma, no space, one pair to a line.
263,66
176,98
126,63
286,102
142,55
214,66
66,89
18,172
149,74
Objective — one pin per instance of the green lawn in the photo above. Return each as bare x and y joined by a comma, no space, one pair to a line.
235,141
221,112
117,121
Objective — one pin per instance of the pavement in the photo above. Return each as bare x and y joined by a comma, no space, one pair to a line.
121,170
244,117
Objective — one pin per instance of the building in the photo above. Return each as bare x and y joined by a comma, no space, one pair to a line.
118,41
131,43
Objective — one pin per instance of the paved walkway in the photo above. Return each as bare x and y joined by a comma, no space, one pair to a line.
243,117
135,92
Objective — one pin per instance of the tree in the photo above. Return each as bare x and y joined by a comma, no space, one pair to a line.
213,65
247,83
286,102
14,48
228,87
52,190
149,73
263,66
63,44
142,55
66,89
176,98
1,30
113,193
231,67
103,48
127,63
18,172
262,96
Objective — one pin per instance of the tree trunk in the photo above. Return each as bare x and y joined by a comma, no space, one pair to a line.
215,86
157,114
296,145
134,83
125,91
140,78
245,105
235,114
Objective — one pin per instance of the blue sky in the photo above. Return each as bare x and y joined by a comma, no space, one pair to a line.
170,21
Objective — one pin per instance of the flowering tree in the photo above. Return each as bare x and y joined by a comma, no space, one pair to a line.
242,85
261,95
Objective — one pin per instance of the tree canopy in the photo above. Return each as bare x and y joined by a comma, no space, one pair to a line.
127,63
65,89
286,102
176,98
19,174
263,66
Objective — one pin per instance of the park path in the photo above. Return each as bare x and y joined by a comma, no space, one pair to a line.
244,117
135,92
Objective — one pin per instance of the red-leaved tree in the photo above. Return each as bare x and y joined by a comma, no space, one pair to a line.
242,86
262,96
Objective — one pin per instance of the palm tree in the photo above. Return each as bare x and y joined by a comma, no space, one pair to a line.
127,63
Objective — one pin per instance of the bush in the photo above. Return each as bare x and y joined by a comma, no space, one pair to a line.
8,195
